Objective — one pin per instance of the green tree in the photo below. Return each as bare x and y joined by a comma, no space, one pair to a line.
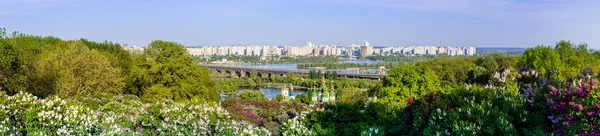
565,58
122,58
447,76
18,53
289,77
252,95
376,90
542,58
573,57
279,98
70,68
3,32
277,79
168,66
334,75
479,75
497,62
11,74
452,70
408,81
253,74
490,64
352,95
302,98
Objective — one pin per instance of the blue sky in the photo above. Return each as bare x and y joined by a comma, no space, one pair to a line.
481,23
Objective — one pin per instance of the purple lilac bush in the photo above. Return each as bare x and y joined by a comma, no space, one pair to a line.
570,106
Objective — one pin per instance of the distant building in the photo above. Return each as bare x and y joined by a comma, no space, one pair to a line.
376,51
264,51
323,93
285,92
381,70
442,50
134,49
471,51
366,50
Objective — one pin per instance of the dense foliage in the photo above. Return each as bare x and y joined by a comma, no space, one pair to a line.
565,59
466,112
68,69
302,98
46,66
352,95
408,81
166,71
251,95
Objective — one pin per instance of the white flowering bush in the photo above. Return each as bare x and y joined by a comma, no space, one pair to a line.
25,114
296,127
128,116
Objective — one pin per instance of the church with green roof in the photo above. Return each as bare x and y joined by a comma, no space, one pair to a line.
322,94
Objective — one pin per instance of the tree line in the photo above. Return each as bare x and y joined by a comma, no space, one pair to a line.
313,74
47,66
402,58
352,65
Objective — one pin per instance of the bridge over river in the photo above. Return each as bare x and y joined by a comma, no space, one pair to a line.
242,71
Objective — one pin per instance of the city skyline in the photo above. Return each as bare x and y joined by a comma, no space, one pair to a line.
505,23
363,50
325,44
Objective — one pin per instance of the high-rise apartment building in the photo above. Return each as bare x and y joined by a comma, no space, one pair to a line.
366,50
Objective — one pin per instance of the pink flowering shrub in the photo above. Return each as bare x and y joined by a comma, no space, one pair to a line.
266,114
570,106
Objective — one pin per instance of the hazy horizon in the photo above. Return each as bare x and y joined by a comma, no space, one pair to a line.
479,23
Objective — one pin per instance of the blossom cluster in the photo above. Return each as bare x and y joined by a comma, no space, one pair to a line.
296,126
568,105
25,114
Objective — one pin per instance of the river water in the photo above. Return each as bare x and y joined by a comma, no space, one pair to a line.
272,92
